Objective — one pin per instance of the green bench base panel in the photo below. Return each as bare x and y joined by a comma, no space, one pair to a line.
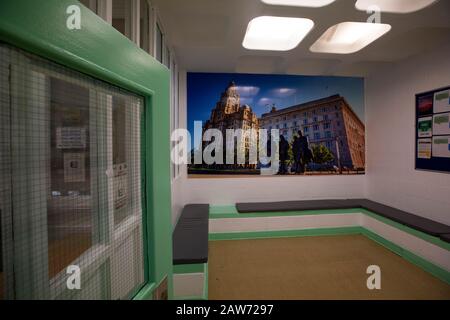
182,269
223,212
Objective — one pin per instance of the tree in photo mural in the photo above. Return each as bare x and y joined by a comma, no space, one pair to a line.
321,154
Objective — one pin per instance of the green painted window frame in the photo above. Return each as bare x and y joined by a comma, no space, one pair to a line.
100,51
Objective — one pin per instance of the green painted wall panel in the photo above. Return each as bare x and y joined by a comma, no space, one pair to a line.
284,233
435,270
189,268
223,212
220,213
104,53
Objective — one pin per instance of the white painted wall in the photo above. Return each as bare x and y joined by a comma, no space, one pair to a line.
391,177
390,125
178,198
228,191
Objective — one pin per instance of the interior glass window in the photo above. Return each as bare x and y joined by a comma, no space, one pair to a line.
121,18
70,184
91,4
121,190
144,28
159,44
70,200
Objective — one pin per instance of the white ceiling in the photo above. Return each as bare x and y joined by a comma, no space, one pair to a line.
207,35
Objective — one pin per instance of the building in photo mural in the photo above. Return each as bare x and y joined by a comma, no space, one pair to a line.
230,114
318,108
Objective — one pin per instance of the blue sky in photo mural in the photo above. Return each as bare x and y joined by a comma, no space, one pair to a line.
260,92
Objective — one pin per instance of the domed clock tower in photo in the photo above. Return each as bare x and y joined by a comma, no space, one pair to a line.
230,114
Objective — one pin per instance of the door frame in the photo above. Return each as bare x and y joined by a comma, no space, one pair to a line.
98,50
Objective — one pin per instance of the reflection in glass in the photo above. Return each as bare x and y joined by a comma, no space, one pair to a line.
159,44
69,216
71,150
120,165
120,16
144,27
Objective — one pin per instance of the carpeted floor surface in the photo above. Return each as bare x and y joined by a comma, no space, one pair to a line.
329,267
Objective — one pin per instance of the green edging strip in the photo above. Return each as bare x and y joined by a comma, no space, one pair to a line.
189,268
414,232
205,283
284,233
221,214
213,210
422,263
194,268
224,212
145,293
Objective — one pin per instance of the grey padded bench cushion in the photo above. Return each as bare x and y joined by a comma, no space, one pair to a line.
419,223
405,218
190,238
296,205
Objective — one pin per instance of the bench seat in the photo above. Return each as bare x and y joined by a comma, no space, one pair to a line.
190,237
445,237
408,219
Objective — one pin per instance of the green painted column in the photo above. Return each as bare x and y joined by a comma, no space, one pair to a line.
100,51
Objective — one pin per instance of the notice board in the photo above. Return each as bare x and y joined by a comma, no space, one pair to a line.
433,130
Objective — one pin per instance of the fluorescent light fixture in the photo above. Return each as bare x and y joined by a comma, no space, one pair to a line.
394,6
349,37
276,33
300,3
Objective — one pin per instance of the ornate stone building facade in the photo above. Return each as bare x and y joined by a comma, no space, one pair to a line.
330,122
230,114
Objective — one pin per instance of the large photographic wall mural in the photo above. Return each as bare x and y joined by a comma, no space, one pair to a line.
247,124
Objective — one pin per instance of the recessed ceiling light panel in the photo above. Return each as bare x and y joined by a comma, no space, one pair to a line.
349,37
394,6
300,3
276,33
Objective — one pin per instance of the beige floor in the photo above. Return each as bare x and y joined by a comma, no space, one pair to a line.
61,253
331,267
64,251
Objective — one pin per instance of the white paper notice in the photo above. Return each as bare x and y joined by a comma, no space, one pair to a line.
74,167
441,124
71,138
424,149
120,185
441,147
442,101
